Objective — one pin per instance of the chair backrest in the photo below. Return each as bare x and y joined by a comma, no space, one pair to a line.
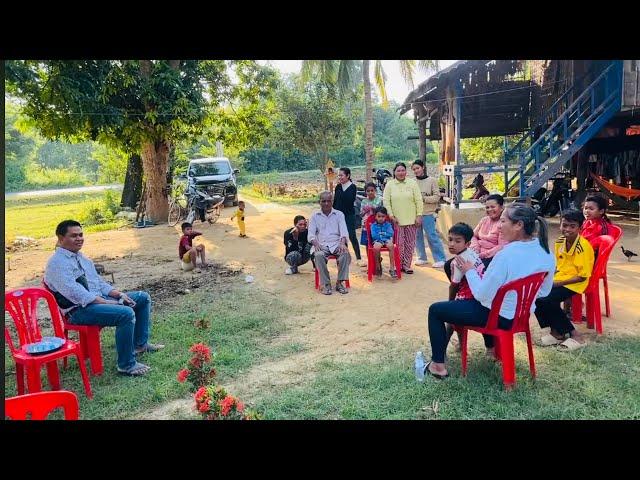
369,222
605,245
526,291
41,404
615,231
22,305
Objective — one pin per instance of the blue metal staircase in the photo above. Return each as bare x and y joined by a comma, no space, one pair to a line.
570,128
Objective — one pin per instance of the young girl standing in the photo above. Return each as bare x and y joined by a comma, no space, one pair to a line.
368,207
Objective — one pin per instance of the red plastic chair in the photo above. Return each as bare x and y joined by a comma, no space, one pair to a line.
371,256
347,283
615,232
605,245
41,404
89,336
526,290
22,306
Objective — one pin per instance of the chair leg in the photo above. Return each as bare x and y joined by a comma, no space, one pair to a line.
590,309
317,279
370,265
508,361
33,378
463,334
597,312
54,375
20,378
396,254
94,351
606,296
576,308
85,376
532,362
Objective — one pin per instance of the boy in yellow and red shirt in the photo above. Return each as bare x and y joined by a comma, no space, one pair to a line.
574,265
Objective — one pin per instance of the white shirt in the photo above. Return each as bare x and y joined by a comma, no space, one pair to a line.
327,229
516,260
346,185
469,256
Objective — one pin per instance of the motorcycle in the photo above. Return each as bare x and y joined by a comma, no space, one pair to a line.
207,208
560,198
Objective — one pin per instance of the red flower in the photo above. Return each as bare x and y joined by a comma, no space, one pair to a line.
182,375
201,350
239,406
201,394
195,362
204,407
225,405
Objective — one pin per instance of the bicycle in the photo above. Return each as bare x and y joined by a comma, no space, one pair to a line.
199,200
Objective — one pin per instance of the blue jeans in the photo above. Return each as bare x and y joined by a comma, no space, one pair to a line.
132,324
435,244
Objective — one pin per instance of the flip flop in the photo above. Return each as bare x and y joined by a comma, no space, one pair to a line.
549,340
137,370
150,347
570,344
436,375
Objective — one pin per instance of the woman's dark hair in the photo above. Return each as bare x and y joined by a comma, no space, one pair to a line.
573,215
497,197
399,164
418,162
370,185
463,230
346,171
381,209
602,204
519,212
63,226
297,218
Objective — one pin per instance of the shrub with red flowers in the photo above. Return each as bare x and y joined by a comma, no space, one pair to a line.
212,401
199,371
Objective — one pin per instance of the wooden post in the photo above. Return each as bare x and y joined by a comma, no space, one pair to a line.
450,148
422,141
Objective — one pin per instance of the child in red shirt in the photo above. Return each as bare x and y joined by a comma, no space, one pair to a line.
187,252
595,213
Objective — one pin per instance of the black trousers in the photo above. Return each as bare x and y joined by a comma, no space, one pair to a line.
350,220
550,314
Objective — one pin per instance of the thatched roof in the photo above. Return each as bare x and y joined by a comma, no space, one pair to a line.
493,101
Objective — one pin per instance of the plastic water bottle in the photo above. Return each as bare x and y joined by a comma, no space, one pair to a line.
419,366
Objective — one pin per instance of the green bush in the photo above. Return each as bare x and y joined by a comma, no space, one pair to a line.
40,177
100,211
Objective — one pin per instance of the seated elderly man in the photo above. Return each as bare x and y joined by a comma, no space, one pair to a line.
328,234
88,300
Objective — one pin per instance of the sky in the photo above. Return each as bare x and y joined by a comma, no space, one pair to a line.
397,89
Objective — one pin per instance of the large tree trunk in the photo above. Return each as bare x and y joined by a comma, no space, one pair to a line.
132,182
368,120
155,160
422,141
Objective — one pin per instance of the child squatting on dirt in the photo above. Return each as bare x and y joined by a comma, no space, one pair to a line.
187,252
382,236
460,236
240,216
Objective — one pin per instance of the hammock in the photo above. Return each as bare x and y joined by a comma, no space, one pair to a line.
624,192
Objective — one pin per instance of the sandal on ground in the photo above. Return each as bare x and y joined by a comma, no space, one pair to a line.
326,290
407,270
393,274
549,340
436,375
137,370
570,344
150,347
341,288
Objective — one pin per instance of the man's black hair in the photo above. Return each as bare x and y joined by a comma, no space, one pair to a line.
63,226
297,218
573,215
463,230
185,225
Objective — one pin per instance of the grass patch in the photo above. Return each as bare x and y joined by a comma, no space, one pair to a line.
599,382
282,199
37,217
244,321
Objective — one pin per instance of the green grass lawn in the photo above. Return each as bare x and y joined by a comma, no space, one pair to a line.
600,382
243,324
37,217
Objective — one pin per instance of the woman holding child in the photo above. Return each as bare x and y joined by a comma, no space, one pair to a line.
517,224
403,201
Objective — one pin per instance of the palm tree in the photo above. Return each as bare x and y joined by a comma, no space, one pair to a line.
344,73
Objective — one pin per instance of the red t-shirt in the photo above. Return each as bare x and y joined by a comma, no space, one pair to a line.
186,242
592,229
